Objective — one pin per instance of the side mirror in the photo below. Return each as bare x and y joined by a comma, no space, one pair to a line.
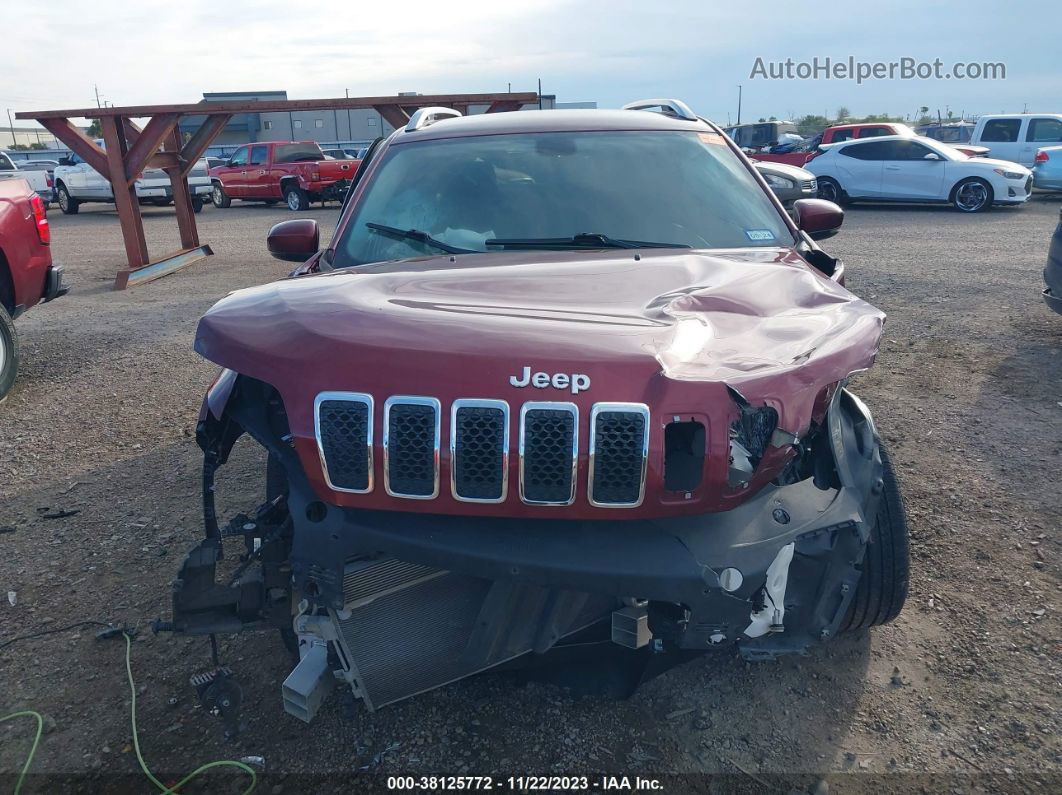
294,241
819,218
932,156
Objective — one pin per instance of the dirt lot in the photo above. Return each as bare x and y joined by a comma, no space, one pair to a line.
964,686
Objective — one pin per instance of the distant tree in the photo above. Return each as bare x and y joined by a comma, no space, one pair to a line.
38,145
761,120
18,147
811,124
773,118
842,113
94,130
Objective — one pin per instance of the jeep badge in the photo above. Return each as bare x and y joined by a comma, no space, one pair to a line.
577,382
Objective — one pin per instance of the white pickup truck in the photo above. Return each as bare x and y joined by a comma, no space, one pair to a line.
76,182
1017,136
40,181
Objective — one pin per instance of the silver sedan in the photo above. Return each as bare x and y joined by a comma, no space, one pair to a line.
789,183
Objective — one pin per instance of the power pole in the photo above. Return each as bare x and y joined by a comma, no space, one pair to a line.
11,126
540,93
350,135
96,88
739,105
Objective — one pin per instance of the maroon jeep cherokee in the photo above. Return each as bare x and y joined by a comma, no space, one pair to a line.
559,376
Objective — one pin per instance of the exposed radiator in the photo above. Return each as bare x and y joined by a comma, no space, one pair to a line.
408,628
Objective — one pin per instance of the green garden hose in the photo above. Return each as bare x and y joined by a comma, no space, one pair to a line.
163,789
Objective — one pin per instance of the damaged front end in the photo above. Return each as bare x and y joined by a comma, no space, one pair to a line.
395,603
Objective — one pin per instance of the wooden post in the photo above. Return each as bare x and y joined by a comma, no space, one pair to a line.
136,251
182,198
393,115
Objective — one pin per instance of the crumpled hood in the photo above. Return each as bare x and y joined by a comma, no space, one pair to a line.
691,315
687,334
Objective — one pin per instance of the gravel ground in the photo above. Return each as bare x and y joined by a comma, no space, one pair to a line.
960,693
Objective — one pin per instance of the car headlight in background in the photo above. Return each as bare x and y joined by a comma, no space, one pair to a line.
1009,174
779,182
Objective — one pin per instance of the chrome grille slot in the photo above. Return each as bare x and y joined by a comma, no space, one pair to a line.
411,447
809,185
343,426
549,450
479,450
619,447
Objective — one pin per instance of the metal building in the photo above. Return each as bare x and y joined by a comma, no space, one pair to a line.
351,126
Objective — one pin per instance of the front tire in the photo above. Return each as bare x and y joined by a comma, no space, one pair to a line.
882,589
296,198
218,197
972,195
8,353
197,205
67,203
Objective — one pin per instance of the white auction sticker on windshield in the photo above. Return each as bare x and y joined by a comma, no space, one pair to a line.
759,234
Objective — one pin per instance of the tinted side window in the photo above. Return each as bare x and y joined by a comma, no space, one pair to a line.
842,135
874,132
259,155
5,162
1044,131
907,150
763,134
874,151
240,157
1001,130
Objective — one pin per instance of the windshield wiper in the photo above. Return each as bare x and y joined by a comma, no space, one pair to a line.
420,237
581,240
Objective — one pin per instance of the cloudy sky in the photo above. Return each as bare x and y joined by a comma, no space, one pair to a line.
611,52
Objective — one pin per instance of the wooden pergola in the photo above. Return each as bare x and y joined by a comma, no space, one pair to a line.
129,149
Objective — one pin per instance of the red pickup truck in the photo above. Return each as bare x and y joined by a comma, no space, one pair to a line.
27,275
295,172
804,152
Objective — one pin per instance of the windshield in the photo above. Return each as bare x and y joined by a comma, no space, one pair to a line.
677,188
297,153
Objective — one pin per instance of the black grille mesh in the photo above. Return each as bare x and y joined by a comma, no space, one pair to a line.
619,438
479,436
344,439
411,449
548,455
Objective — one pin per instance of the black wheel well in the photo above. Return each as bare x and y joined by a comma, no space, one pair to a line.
285,181
7,285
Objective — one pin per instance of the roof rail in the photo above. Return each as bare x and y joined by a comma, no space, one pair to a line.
669,107
425,116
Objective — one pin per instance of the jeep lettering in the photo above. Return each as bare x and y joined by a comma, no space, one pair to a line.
578,382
